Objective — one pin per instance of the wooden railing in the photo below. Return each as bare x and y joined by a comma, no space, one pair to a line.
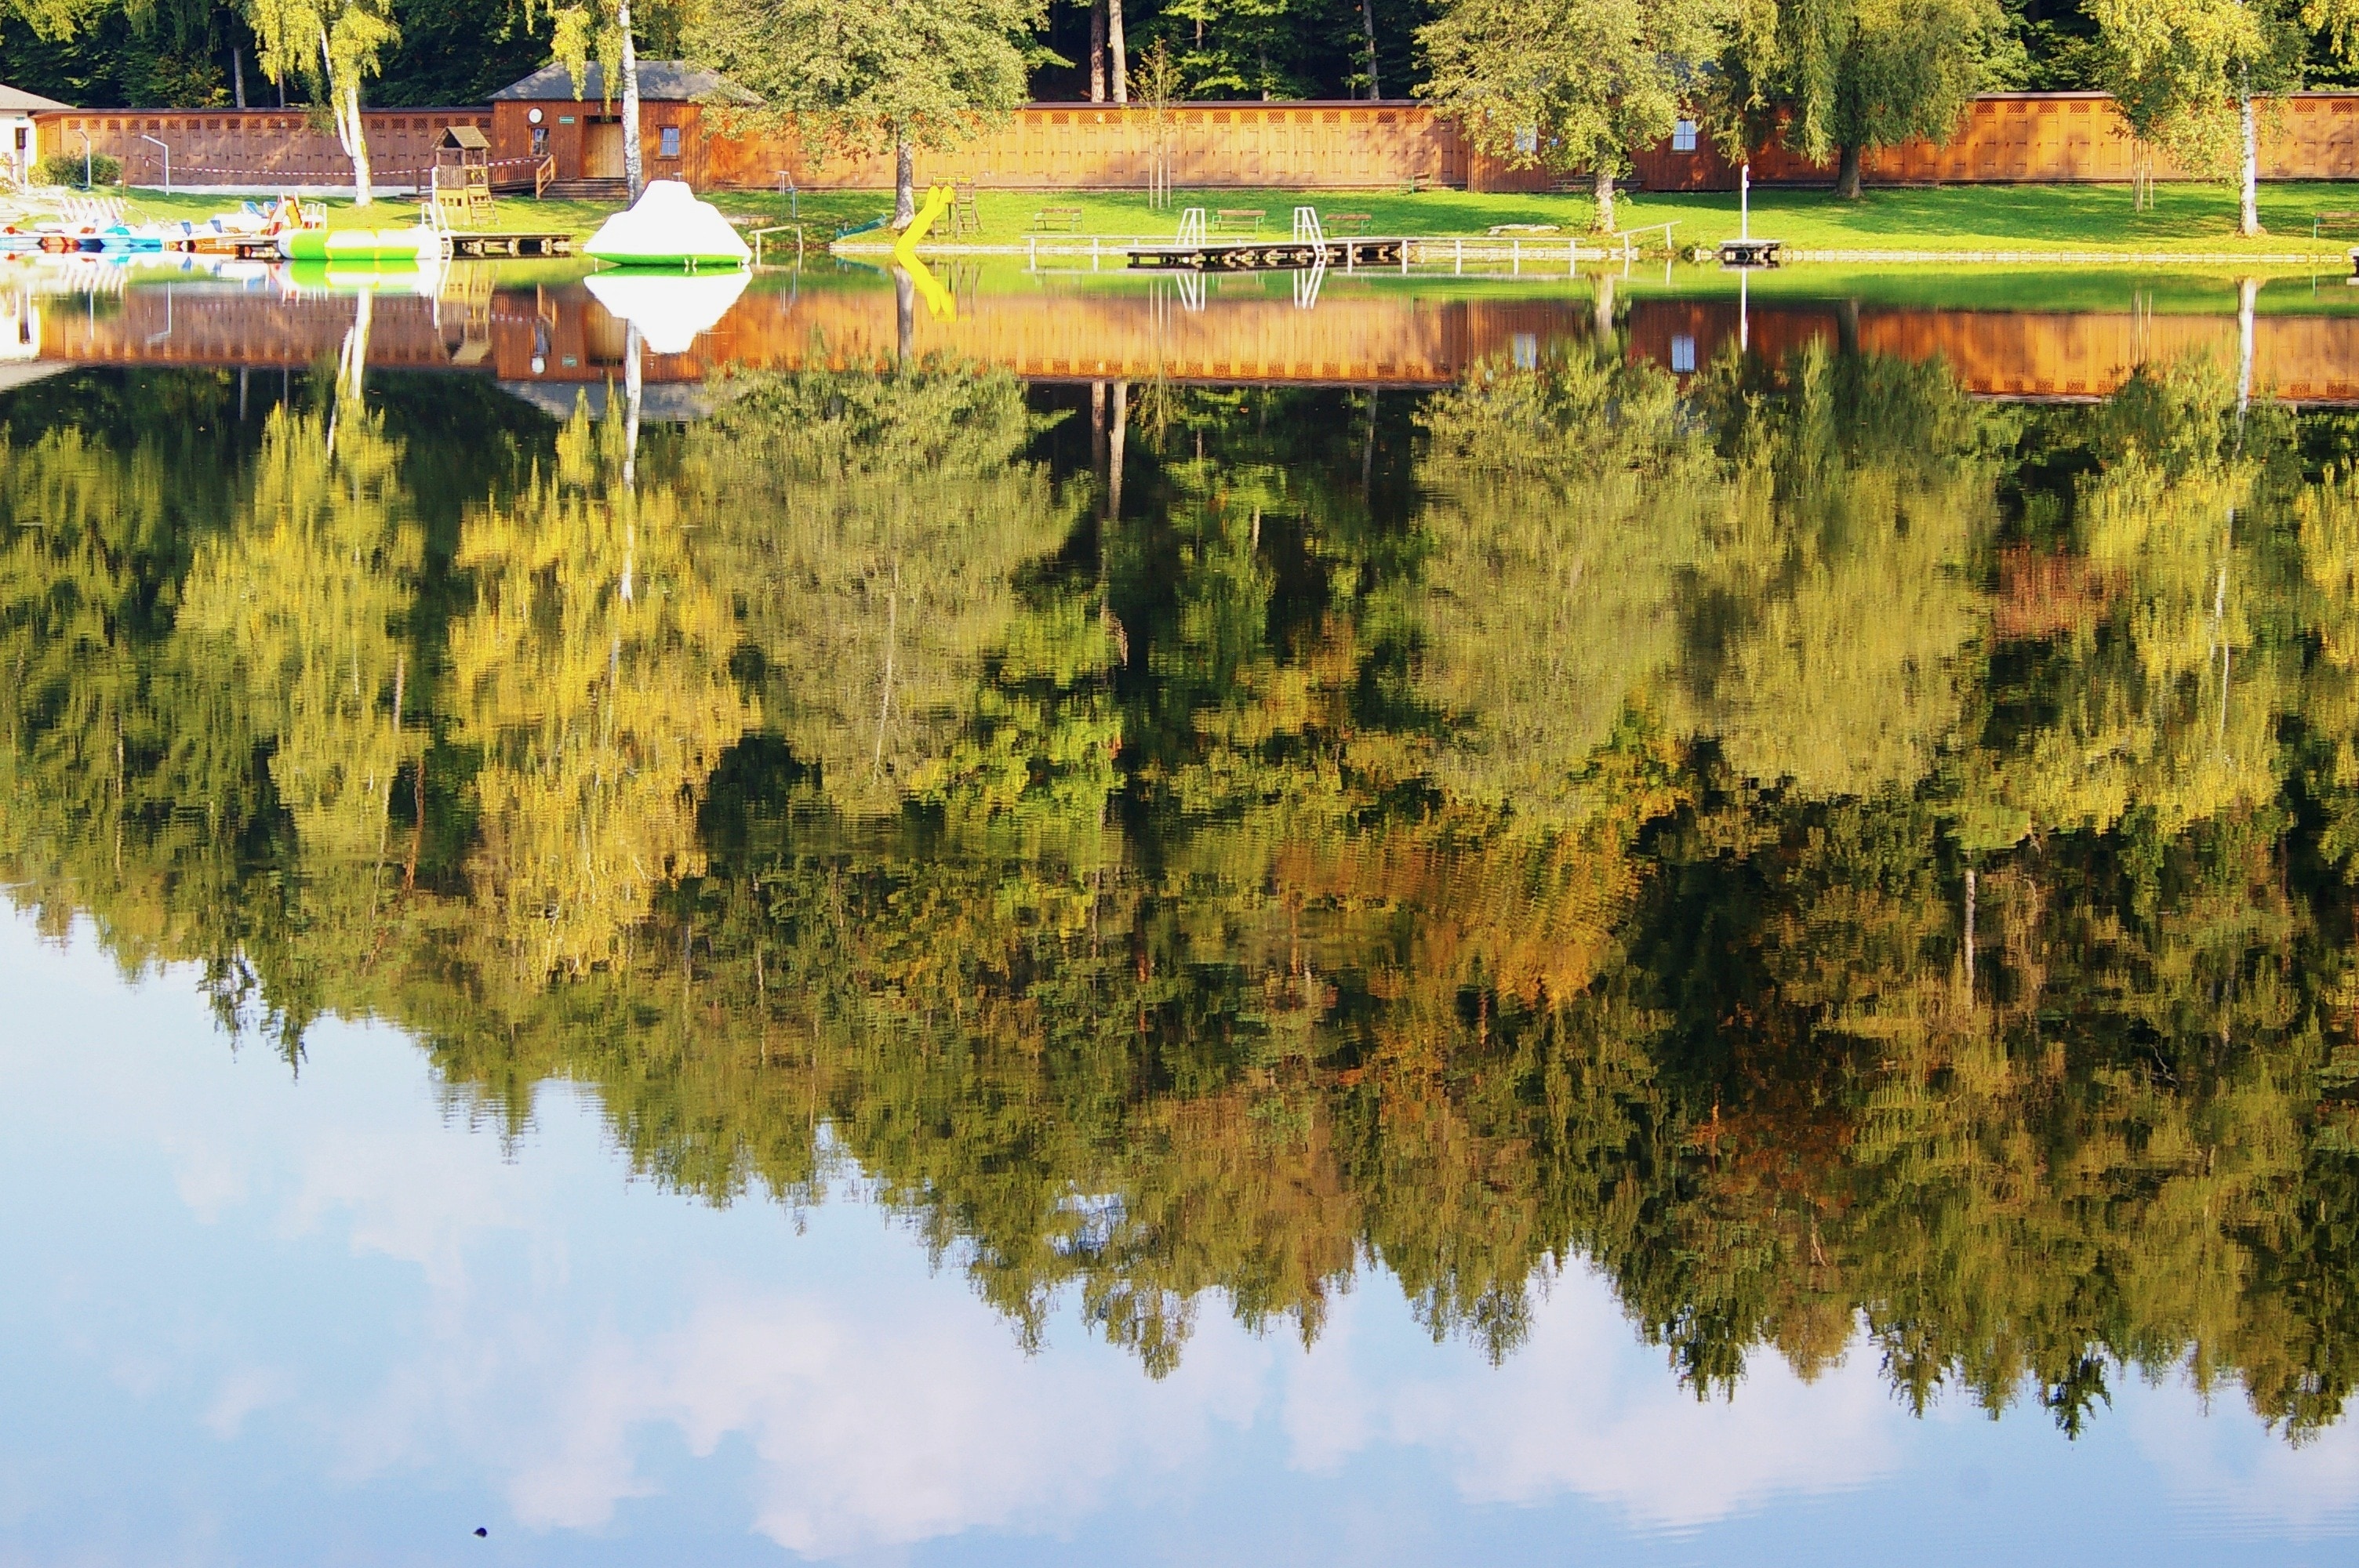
542,173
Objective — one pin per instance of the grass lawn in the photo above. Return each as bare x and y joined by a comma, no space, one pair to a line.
2185,217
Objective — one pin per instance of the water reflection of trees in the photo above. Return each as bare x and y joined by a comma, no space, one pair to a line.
1840,857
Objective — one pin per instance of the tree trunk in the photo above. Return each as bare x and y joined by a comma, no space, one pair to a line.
2248,291
905,183
344,109
1117,439
356,143
2248,171
634,404
905,316
1847,175
237,74
1117,47
1368,31
1097,51
1601,308
1603,223
1098,441
635,169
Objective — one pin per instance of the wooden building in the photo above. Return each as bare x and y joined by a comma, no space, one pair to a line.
547,131
20,141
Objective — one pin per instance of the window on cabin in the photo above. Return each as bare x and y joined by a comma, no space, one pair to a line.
1527,141
540,141
671,142
1682,356
1683,137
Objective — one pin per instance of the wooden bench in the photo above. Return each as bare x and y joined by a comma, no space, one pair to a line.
2321,222
1068,219
1345,222
1238,220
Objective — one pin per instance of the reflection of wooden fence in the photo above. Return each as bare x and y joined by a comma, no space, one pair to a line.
562,336
2021,354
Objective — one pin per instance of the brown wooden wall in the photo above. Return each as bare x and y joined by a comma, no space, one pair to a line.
254,146
2030,138
513,157
2059,138
2018,137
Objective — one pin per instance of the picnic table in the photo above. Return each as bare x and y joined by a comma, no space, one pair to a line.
1346,222
1068,219
1238,220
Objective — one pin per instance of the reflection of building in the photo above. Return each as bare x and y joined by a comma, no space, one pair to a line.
546,343
20,328
20,140
2019,355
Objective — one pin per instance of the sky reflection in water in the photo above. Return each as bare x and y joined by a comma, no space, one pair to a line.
272,1320
1505,966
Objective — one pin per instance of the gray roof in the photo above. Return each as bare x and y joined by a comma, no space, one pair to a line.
661,81
13,100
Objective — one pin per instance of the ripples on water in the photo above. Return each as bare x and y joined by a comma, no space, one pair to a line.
1450,922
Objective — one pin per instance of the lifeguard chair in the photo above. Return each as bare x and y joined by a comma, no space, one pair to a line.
463,177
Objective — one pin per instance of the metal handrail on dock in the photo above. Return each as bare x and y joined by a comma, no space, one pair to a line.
759,234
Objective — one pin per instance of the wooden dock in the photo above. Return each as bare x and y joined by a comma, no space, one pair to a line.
1266,255
466,242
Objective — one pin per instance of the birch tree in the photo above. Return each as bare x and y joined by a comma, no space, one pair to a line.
333,45
2192,76
603,30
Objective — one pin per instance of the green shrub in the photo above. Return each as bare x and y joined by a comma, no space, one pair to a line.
66,169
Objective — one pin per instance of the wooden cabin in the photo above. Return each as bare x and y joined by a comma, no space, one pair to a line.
546,133
20,141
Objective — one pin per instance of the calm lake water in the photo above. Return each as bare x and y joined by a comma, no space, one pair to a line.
1009,919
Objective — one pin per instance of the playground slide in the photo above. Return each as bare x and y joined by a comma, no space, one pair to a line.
939,302
938,201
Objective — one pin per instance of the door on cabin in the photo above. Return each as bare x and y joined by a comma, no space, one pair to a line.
601,149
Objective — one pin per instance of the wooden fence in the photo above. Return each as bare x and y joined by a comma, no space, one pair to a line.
2031,138
2009,137
258,147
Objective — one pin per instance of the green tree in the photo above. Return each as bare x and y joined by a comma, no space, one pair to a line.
1568,84
870,75
1843,76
